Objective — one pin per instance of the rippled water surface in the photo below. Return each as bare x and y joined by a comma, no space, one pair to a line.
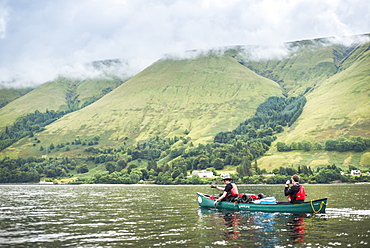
158,216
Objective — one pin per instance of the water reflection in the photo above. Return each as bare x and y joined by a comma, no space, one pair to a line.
169,216
255,228
224,226
296,228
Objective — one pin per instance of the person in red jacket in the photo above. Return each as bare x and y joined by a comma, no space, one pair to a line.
230,191
292,191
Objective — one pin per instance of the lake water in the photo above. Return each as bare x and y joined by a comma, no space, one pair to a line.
169,216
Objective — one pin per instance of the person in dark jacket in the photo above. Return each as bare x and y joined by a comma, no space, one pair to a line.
292,191
230,192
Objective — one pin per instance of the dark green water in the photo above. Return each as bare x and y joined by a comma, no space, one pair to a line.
168,216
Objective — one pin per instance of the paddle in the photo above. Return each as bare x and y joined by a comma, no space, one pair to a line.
213,186
213,189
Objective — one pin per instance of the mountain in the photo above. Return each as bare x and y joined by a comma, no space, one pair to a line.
200,97
64,93
338,105
214,92
302,64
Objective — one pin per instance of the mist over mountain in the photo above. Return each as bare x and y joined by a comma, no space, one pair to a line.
200,93
34,51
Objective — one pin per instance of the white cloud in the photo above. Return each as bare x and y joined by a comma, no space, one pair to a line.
3,19
39,38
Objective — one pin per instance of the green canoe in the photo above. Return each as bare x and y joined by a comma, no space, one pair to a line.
313,206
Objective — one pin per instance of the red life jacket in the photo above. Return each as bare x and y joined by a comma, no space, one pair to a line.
301,195
234,190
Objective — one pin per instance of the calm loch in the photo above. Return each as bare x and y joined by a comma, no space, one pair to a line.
169,216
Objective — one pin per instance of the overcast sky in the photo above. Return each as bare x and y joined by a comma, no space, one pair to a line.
40,39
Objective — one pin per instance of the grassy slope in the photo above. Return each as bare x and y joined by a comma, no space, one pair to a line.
52,96
172,96
337,106
10,94
308,63
204,96
86,89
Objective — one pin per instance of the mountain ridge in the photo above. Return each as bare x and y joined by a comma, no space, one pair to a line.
170,97
202,96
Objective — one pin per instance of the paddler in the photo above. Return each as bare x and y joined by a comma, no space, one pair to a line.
230,192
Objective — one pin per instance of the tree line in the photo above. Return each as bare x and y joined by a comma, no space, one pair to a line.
178,155
27,126
31,170
341,144
325,174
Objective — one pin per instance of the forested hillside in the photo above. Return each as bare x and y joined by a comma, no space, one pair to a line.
222,112
238,148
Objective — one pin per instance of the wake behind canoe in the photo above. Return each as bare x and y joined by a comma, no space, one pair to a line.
314,206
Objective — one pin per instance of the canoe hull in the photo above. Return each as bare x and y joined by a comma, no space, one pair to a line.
315,206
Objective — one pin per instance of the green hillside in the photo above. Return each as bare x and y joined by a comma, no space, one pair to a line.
308,63
61,94
192,114
199,97
8,95
337,106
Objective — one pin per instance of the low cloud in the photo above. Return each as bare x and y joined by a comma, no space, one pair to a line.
40,40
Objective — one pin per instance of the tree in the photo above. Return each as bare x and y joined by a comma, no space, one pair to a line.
331,145
290,171
359,147
176,173
144,173
269,131
327,176
280,146
201,162
218,164
135,175
163,178
282,171
279,129
110,167
245,168
195,179
317,146
255,168
83,169
120,165
252,133
294,146
306,145
152,164
277,179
